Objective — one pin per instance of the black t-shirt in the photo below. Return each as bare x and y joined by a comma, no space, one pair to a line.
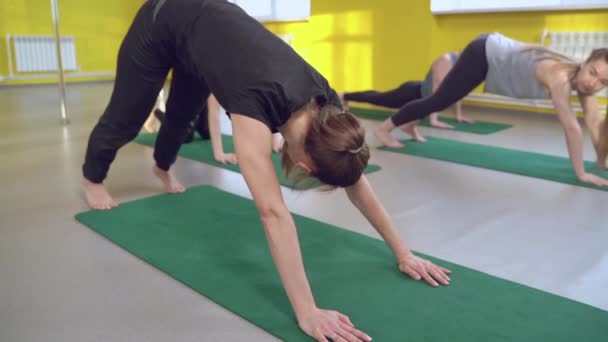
249,69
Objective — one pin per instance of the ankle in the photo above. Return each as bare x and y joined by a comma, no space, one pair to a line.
87,182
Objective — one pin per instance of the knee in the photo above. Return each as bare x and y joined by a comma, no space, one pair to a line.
445,58
113,133
442,63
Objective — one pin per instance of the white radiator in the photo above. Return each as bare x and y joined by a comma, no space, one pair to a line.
577,44
37,53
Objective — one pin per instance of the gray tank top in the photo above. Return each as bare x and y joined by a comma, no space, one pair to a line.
512,72
426,87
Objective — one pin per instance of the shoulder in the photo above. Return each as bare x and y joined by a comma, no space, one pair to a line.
554,75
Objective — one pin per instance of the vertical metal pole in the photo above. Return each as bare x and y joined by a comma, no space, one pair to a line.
55,11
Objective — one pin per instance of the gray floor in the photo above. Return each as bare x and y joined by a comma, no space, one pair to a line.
59,281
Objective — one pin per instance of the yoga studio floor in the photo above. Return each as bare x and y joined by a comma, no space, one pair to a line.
60,281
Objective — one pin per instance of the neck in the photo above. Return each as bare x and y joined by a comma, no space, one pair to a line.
550,71
294,130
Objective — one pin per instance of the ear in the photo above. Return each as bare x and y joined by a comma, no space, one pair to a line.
305,167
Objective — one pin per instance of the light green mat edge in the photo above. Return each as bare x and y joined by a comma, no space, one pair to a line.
213,242
537,165
200,150
479,127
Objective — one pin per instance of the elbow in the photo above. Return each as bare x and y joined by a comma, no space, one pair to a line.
271,215
576,129
572,127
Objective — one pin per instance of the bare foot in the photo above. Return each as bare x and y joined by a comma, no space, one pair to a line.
149,127
386,138
410,128
170,183
97,196
150,124
440,124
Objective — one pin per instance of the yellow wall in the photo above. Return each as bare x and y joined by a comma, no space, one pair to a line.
98,27
356,44
378,44
452,32
360,44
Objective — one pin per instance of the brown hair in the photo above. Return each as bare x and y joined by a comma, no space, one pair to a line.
335,141
547,53
601,53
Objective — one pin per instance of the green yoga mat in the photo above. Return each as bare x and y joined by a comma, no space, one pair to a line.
213,242
554,168
200,150
479,127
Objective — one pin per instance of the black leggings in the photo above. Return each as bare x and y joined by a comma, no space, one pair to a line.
144,60
395,98
468,72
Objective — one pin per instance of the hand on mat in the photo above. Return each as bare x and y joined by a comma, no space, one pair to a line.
418,268
225,158
329,325
593,179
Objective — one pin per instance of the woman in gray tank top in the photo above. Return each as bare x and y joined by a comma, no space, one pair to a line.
413,90
519,70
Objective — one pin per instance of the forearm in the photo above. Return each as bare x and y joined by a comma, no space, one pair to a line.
574,140
594,124
283,242
252,145
572,129
366,201
390,235
593,117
